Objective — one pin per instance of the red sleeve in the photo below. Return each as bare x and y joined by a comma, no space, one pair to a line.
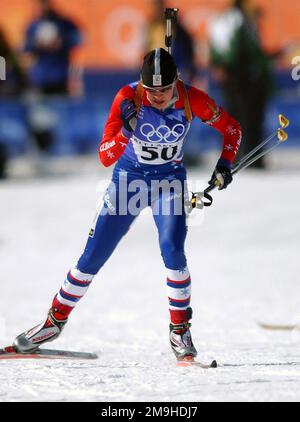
115,137
206,109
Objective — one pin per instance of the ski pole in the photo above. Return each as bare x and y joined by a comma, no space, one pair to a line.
252,152
284,123
245,161
282,136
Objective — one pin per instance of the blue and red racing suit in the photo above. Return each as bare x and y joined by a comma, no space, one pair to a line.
152,152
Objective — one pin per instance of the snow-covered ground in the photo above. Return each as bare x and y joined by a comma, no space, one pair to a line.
244,262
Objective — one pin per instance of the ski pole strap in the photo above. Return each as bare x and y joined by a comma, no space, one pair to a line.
209,198
195,198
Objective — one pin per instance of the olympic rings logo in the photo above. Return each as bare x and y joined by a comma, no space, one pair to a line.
162,132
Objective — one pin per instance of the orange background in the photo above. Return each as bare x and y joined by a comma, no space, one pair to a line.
114,30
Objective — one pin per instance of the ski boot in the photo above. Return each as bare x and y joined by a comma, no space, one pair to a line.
30,340
181,338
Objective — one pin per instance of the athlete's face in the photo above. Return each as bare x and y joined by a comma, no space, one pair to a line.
159,98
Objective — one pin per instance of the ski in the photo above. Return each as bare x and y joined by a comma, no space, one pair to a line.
11,353
185,362
279,327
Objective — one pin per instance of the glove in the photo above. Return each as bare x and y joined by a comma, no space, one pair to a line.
128,114
222,174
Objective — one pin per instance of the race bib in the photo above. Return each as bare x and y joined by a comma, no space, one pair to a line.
148,153
160,144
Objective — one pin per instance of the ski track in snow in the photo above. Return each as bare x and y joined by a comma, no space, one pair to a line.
244,263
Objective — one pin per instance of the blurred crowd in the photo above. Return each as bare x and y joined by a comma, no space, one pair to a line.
40,70
238,64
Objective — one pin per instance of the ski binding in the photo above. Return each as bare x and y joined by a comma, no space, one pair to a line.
190,361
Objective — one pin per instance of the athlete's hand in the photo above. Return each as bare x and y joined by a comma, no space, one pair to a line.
221,176
128,114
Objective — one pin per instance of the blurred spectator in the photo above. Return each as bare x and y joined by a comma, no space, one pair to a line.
11,87
243,70
183,49
50,39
